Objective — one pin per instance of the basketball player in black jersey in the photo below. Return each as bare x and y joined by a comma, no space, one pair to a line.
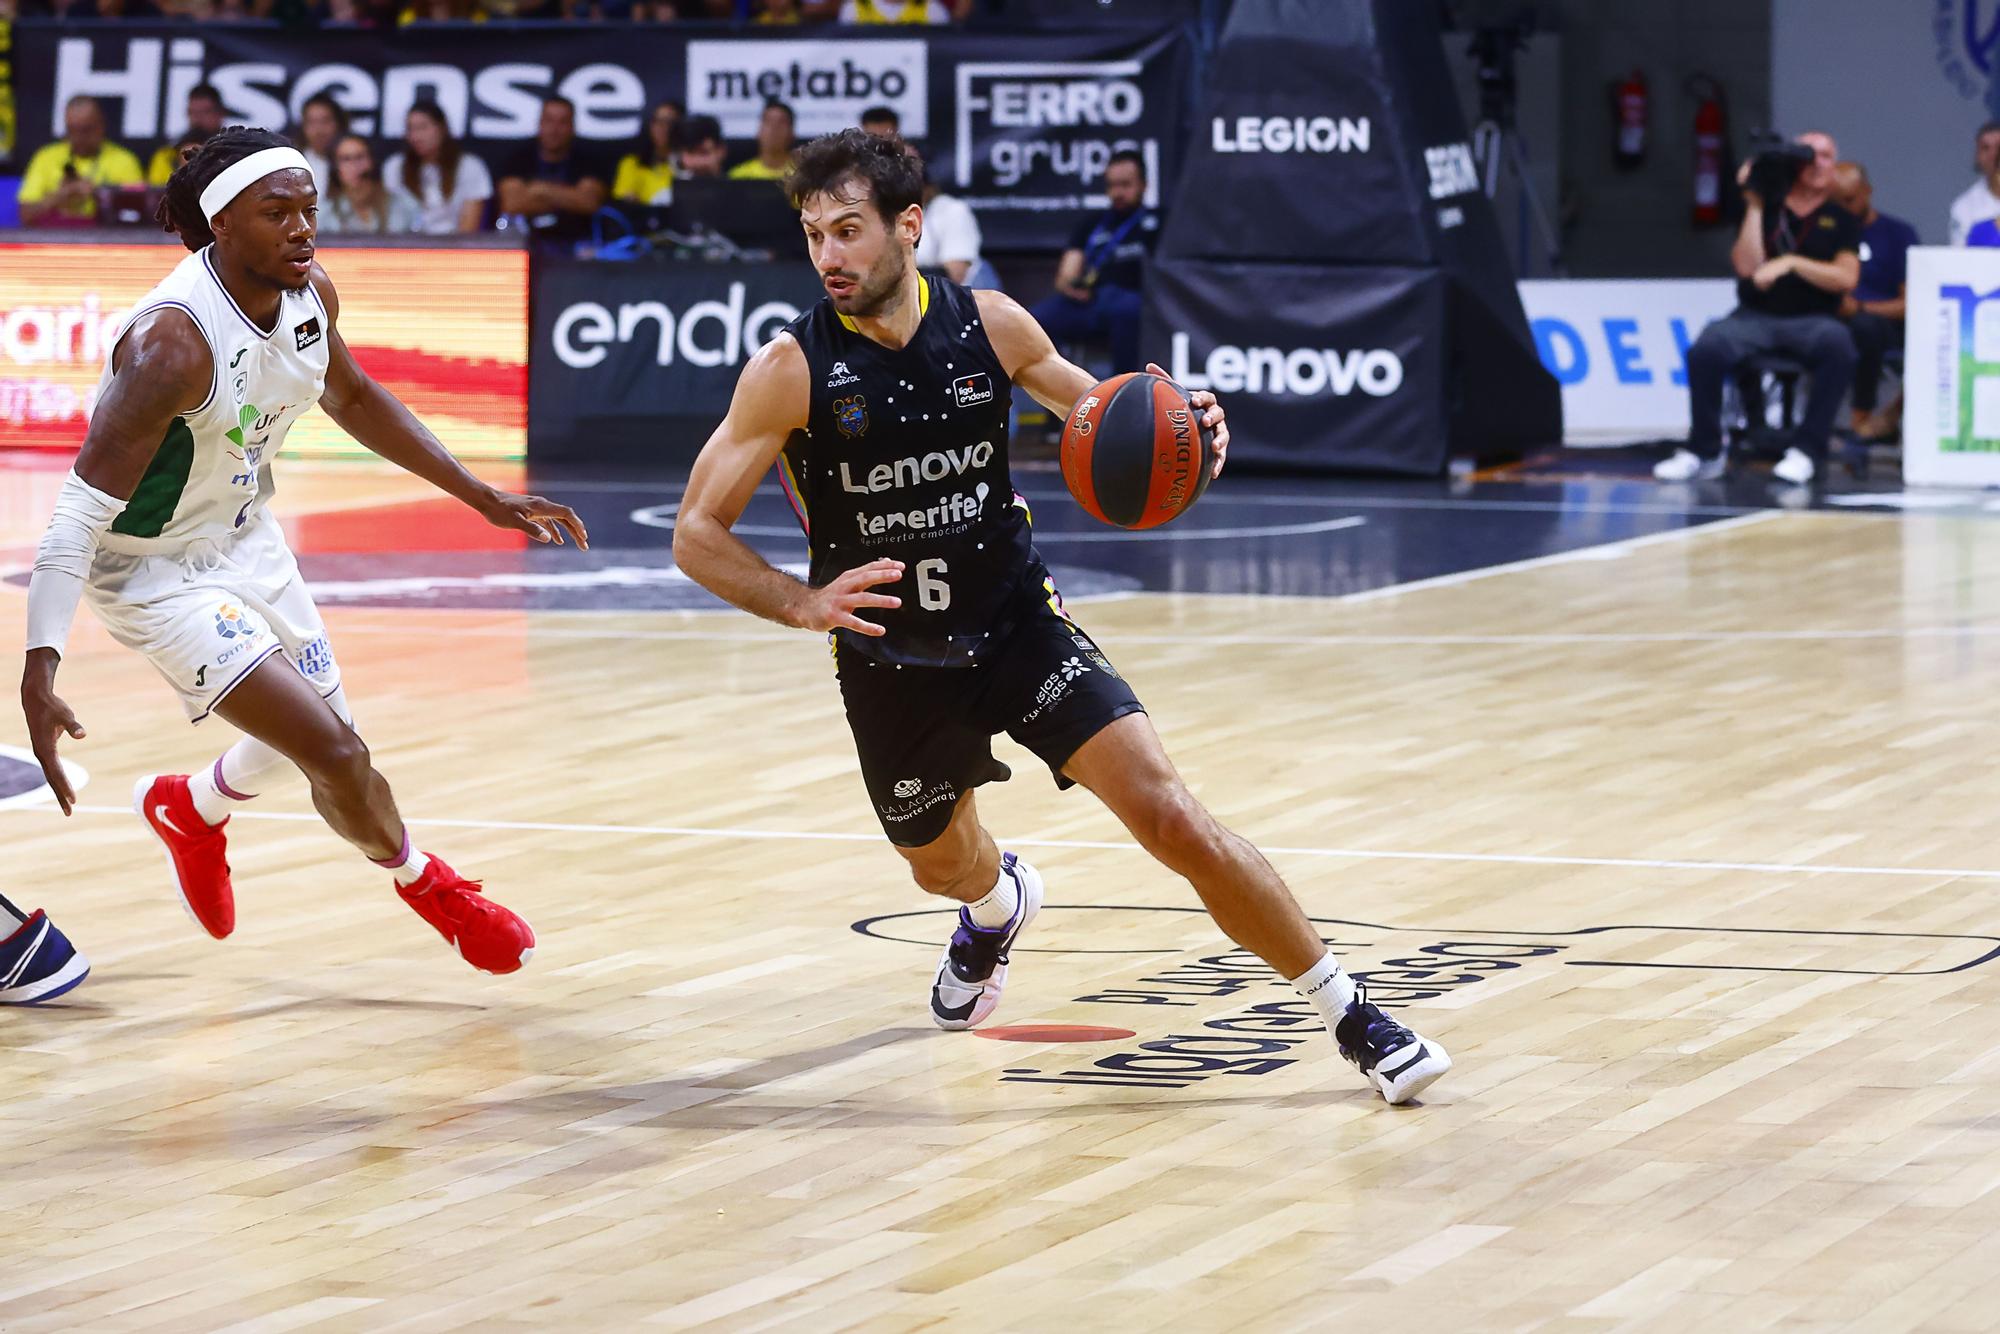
884,408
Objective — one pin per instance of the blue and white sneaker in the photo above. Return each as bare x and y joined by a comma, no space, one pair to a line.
973,968
37,962
1396,1061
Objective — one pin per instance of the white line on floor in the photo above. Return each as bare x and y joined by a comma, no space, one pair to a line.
1355,854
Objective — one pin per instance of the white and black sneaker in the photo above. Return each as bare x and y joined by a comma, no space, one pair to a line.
1684,465
1394,1059
973,969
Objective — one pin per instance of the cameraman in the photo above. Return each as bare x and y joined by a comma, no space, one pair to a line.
1795,259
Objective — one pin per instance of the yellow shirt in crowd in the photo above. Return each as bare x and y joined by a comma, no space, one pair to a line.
112,166
755,170
648,185
893,11
161,167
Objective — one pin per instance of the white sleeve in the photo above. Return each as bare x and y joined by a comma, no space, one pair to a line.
1959,226
958,236
474,181
62,562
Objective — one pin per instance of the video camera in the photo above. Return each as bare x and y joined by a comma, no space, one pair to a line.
1776,166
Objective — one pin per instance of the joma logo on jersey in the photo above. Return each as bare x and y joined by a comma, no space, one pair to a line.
851,416
308,333
932,467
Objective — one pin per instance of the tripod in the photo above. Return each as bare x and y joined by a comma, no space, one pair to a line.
1497,143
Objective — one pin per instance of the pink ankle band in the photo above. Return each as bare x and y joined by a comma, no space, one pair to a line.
225,789
400,859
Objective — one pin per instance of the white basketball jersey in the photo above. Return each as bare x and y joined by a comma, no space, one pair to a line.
212,473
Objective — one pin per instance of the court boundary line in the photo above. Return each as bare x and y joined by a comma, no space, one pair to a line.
1343,854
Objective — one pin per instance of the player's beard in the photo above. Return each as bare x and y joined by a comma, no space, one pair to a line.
884,282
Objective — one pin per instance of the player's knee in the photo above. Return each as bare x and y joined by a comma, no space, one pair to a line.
1179,831
341,762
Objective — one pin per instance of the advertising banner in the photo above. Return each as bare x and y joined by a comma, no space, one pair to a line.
1618,348
1331,370
464,374
640,360
1019,124
1951,368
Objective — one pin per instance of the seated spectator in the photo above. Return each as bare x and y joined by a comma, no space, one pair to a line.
774,146
904,11
881,121
1795,258
204,117
321,125
60,184
950,240
441,11
777,13
1874,309
359,203
702,150
1979,202
1098,280
646,174
552,184
447,186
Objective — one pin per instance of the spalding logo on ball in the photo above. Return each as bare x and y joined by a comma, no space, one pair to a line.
1135,453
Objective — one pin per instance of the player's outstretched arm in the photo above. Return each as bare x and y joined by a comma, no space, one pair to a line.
1055,381
771,402
160,369
383,425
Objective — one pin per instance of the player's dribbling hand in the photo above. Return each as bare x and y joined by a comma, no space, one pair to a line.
833,607
48,719
1211,417
543,520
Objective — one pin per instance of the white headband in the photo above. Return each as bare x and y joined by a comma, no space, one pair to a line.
239,175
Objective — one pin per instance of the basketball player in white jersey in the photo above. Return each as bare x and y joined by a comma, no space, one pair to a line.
162,525
946,626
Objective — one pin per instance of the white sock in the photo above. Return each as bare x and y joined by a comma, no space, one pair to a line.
407,865
1000,904
1327,985
238,774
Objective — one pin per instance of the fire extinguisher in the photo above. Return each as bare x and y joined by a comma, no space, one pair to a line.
1629,100
1711,149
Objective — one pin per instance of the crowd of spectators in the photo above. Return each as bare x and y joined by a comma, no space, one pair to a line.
393,13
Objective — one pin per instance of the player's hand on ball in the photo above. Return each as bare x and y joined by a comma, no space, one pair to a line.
834,606
543,520
49,719
1211,417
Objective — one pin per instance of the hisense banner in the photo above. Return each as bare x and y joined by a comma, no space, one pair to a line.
1018,124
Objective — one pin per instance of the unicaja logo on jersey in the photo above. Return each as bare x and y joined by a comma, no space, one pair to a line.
840,375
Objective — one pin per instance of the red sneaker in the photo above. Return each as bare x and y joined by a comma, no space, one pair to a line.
197,852
486,935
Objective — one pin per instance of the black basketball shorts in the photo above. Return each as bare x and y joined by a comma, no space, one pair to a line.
925,734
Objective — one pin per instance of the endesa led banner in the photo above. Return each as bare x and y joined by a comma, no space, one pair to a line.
1618,348
1021,124
445,330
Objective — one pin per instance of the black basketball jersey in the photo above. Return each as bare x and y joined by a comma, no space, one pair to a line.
904,457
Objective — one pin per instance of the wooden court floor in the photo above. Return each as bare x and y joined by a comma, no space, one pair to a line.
1686,849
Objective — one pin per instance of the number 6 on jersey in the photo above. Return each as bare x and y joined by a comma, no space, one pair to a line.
933,594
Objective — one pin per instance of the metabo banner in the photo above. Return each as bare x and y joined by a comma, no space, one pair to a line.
1020,125
638,361
1321,368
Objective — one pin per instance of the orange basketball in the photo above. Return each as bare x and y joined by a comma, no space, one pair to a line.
1134,451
